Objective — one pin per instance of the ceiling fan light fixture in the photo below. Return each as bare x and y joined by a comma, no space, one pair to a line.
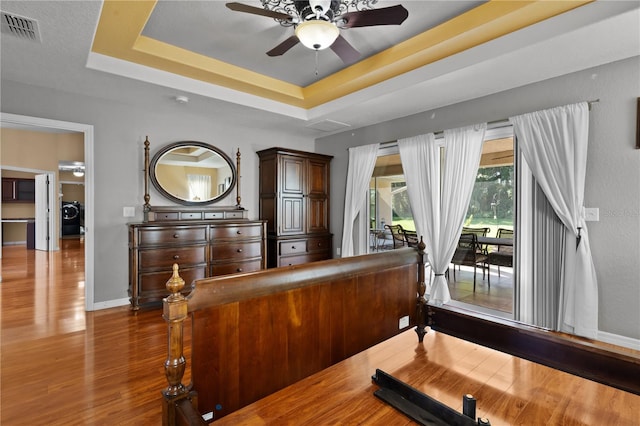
317,34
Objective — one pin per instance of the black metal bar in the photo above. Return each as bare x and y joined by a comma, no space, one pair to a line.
416,405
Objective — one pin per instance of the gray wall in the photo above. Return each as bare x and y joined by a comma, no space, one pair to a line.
120,129
613,169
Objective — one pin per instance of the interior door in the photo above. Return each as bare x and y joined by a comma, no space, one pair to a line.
42,212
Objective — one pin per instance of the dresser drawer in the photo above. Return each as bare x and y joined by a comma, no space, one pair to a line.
166,257
191,216
239,250
299,260
319,244
173,235
236,231
292,247
155,283
236,267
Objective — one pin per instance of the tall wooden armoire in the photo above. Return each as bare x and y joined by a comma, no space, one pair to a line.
294,200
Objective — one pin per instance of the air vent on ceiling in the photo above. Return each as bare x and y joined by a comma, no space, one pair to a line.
19,26
328,125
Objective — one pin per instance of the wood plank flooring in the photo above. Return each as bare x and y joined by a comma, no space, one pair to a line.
61,365
64,366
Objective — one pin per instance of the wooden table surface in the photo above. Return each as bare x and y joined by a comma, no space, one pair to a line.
509,390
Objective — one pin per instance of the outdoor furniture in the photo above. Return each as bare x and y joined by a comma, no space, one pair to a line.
479,232
377,239
503,256
411,238
469,253
397,235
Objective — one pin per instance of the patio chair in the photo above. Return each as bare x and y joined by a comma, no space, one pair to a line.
480,232
411,238
397,235
503,256
468,253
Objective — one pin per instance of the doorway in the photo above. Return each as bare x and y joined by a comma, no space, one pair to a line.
43,124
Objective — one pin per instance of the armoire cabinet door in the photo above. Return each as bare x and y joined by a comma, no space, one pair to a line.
317,213
292,195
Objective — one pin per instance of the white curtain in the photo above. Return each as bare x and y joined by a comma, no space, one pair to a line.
554,144
439,190
199,187
362,160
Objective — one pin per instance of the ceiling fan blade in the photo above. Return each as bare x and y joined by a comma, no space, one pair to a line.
283,47
393,15
345,51
239,7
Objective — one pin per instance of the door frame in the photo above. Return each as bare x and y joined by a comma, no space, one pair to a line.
9,120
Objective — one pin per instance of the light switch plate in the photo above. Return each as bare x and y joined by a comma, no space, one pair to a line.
128,211
592,214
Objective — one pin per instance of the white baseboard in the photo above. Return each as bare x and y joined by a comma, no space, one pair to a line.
616,339
110,304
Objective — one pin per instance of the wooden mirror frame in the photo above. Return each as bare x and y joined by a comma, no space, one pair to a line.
157,158
149,166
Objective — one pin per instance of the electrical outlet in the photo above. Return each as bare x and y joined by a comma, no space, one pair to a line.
338,251
592,214
404,322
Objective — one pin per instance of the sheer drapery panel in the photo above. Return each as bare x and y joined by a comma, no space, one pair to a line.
362,160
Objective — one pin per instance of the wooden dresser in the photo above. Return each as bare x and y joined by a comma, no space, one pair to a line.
201,249
294,200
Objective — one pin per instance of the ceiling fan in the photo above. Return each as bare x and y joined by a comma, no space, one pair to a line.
317,23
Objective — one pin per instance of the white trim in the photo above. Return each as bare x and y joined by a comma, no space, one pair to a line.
111,304
87,130
618,340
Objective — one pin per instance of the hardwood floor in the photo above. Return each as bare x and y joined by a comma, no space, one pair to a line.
64,366
61,365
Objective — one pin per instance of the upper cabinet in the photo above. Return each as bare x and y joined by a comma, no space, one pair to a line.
294,199
17,190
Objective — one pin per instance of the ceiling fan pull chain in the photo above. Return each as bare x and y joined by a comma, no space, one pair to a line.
316,61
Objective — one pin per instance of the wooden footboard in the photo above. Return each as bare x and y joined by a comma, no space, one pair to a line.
253,334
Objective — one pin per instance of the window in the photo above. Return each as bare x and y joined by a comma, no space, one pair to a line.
492,200
389,201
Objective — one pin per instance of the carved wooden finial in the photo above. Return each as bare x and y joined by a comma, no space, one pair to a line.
175,283
421,244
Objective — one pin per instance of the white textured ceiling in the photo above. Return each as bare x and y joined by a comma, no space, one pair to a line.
597,33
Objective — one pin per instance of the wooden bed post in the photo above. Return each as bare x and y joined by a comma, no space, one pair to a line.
174,312
421,327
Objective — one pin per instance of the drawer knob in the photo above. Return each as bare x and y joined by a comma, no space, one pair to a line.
239,270
239,232
176,257
239,250
293,247
175,235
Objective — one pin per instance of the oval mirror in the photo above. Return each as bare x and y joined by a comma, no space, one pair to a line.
192,173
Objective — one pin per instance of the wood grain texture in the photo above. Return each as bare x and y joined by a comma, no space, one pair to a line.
64,366
509,390
256,333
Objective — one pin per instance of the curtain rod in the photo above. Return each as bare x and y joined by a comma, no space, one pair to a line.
495,124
